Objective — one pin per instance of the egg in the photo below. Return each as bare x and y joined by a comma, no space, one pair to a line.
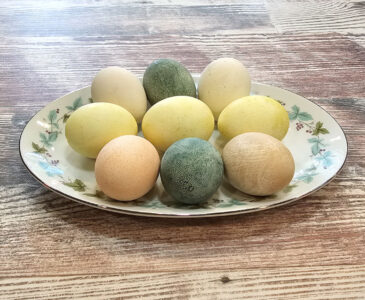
191,170
166,78
127,168
93,125
254,114
175,118
223,81
120,86
258,164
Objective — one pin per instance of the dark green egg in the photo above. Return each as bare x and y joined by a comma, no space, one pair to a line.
191,170
166,78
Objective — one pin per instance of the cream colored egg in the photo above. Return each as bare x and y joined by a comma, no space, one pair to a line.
258,164
93,125
119,86
223,81
127,168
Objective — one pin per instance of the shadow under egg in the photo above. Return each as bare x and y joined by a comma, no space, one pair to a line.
78,161
228,190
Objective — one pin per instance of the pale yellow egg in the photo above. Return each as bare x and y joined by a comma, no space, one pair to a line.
175,118
93,125
254,114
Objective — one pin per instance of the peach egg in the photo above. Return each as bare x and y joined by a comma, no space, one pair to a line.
127,167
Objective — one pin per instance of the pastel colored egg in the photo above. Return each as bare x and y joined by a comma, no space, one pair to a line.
223,81
258,164
175,118
127,168
120,86
254,114
93,125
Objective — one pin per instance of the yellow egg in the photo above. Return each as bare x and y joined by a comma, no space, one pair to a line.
175,118
223,81
119,86
254,114
258,164
127,167
93,125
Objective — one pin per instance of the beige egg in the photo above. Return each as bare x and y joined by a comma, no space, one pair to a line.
119,86
223,81
127,168
258,164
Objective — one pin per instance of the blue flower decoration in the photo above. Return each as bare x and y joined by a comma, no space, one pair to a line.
50,170
325,159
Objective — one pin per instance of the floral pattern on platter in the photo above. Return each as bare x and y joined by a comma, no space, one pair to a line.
54,126
41,151
320,157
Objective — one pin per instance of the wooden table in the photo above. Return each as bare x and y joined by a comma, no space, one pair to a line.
52,247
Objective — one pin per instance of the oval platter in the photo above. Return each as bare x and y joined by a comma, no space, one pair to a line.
315,139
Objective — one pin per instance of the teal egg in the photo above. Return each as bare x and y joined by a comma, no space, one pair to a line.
191,170
166,78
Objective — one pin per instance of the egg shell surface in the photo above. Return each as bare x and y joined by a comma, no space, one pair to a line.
120,86
127,168
254,114
223,81
166,78
175,118
191,170
93,125
258,164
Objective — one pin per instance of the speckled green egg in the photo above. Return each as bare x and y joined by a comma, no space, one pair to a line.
191,170
166,78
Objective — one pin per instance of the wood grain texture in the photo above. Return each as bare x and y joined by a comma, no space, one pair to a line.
342,282
317,16
52,235
53,248
311,65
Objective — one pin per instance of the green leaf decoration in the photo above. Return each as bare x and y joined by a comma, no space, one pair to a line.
76,185
77,103
324,131
317,142
303,116
91,100
294,113
65,118
313,140
289,188
38,148
149,204
97,194
52,116
319,129
44,139
311,169
315,148
230,202
52,136
307,178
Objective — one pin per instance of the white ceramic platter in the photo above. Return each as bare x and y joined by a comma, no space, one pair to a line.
315,139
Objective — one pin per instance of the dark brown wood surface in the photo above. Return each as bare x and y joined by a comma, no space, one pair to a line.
53,248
